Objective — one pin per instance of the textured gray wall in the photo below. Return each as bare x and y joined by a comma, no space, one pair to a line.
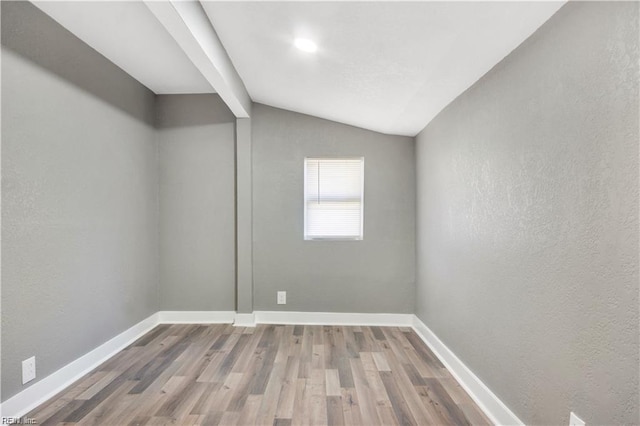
79,197
244,218
373,275
528,221
197,203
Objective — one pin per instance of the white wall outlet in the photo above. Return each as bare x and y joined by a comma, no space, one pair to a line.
282,298
575,420
28,369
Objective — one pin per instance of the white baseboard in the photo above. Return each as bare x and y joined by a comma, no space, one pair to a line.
489,403
39,392
333,318
196,317
28,399
245,320
25,401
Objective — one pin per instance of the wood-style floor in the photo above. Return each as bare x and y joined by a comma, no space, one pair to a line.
267,375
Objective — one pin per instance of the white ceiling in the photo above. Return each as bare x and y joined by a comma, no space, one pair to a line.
384,66
129,35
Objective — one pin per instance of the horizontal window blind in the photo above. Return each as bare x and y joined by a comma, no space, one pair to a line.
333,198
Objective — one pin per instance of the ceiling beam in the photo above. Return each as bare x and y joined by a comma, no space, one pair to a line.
189,25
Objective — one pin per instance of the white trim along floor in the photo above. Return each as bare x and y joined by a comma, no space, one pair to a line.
25,401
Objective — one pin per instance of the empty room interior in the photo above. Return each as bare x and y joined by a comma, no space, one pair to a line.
320,213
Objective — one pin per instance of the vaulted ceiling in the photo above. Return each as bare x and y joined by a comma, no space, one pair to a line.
385,66
130,36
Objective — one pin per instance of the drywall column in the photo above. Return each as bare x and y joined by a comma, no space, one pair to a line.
244,243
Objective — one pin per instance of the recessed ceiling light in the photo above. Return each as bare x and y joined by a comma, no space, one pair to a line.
305,45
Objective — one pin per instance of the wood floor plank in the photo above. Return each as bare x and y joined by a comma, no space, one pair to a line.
142,409
195,374
269,406
229,418
227,363
400,406
377,388
306,350
474,414
152,335
183,399
248,355
209,372
454,390
332,381
344,372
350,342
301,403
213,418
288,392
419,411
249,412
365,396
361,342
228,389
335,416
350,407
317,357
207,401
368,364
158,421
423,351
446,406
107,378
100,414
90,404
165,358
396,341
284,334
295,345
317,398
331,355
259,384
387,415
377,332
51,407
414,375
193,420
371,340
380,361
59,415
242,391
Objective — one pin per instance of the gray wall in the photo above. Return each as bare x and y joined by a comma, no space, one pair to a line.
244,218
528,221
79,197
197,203
373,275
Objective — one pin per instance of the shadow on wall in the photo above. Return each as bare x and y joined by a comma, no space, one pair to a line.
43,44
191,110
40,41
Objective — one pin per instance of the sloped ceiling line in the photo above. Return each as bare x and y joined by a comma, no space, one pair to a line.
191,29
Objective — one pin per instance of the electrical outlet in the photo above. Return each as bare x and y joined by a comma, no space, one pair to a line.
575,420
282,298
28,369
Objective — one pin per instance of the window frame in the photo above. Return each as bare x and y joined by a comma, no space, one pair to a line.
305,206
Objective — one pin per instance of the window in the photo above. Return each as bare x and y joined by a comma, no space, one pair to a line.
333,198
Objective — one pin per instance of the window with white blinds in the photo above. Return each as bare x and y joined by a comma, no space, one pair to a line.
333,198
